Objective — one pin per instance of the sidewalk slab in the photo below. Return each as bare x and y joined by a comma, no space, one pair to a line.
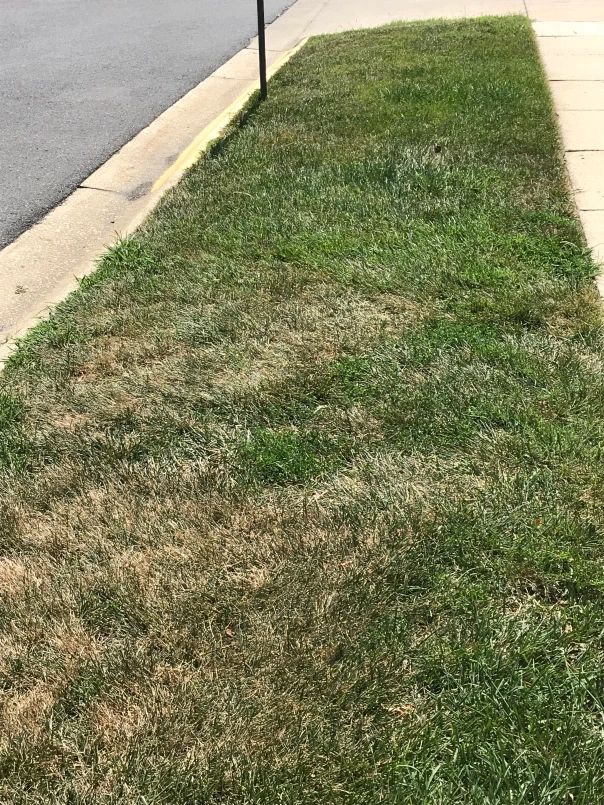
587,170
578,95
565,67
566,10
589,200
582,130
562,28
477,8
579,45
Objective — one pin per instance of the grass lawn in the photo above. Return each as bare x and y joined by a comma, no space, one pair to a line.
301,495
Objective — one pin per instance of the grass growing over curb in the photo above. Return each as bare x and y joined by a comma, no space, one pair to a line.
301,493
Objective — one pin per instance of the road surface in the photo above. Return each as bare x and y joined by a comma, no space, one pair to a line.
79,78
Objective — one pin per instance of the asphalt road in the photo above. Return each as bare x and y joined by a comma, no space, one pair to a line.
79,78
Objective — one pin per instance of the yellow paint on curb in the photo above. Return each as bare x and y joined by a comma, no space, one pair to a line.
213,130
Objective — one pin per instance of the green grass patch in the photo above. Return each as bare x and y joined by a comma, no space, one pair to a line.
301,493
281,457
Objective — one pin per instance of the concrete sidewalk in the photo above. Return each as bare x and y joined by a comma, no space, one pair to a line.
573,53
40,267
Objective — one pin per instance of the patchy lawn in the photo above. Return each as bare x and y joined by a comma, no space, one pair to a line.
302,498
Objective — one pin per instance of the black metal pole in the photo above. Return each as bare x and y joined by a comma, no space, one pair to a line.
262,50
